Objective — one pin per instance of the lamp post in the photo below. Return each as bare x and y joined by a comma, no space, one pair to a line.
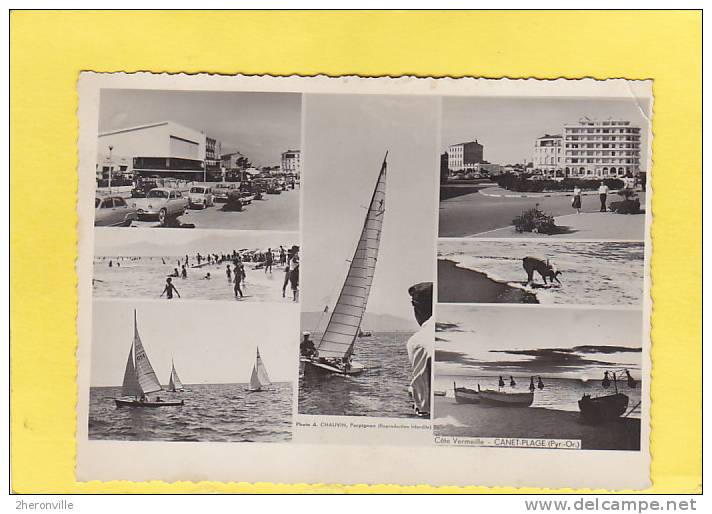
111,166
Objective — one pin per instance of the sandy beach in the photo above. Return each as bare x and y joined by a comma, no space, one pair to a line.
456,284
453,419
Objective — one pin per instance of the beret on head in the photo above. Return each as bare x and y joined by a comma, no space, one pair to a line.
422,292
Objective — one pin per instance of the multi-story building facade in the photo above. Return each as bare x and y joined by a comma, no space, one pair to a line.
548,156
164,149
292,162
213,154
463,156
234,161
593,149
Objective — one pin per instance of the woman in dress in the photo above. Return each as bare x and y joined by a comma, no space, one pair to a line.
576,202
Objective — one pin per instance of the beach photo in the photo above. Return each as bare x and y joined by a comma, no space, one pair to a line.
244,266
369,242
198,159
539,377
553,272
194,372
545,167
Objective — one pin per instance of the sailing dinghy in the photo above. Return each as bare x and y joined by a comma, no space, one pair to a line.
140,379
259,377
336,347
174,383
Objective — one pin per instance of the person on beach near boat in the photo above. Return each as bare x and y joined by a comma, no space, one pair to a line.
420,347
294,273
606,383
306,346
603,194
576,202
228,272
268,260
540,384
545,269
183,272
531,385
631,381
169,289
512,383
501,381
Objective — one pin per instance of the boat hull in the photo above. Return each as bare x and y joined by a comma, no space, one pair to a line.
146,405
322,368
500,399
465,395
603,408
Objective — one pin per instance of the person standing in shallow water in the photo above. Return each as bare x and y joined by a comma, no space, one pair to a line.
228,272
169,289
268,260
420,347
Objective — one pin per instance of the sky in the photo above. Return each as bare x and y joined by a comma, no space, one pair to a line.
260,125
346,138
564,343
209,345
508,127
123,242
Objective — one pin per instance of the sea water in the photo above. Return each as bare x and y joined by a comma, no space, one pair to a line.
558,393
380,391
592,273
212,412
146,278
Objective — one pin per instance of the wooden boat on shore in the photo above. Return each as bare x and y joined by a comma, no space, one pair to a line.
334,351
503,399
140,379
601,409
466,395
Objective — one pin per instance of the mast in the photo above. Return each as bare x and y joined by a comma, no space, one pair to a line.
345,319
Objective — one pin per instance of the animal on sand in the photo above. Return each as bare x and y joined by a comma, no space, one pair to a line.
546,269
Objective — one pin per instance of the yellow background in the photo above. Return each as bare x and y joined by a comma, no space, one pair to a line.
49,49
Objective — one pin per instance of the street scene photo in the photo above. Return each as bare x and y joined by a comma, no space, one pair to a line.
547,272
551,377
366,325
544,167
197,159
192,374
243,266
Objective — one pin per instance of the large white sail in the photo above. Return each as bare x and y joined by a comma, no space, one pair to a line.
259,375
343,327
130,386
147,379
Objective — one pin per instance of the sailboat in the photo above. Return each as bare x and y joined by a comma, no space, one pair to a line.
174,383
335,349
259,377
140,379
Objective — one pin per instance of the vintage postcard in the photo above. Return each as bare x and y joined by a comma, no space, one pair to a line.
364,280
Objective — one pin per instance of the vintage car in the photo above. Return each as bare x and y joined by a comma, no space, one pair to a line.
222,190
113,211
161,203
200,197
142,188
272,186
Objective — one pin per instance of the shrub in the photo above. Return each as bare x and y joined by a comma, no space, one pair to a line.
524,184
534,220
629,205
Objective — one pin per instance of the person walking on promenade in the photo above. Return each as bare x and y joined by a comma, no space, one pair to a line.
603,194
576,202
169,289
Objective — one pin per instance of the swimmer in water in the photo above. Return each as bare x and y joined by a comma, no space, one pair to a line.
169,289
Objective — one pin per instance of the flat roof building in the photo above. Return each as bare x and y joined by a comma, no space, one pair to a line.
463,156
291,162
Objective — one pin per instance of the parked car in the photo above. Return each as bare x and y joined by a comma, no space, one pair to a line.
113,211
142,188
200,196
272,187
163,204
222,190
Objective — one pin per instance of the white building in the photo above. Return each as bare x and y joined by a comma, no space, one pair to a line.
609,148
548,156
292,162
164,148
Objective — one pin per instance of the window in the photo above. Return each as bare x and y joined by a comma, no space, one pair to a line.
119,202
108,203
157,193
97,202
